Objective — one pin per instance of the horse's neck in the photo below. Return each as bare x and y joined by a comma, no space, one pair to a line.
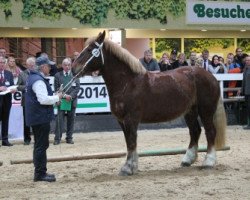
116,74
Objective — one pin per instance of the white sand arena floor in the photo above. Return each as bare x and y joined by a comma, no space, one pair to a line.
159,177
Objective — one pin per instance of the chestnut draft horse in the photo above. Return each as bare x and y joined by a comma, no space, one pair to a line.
139,96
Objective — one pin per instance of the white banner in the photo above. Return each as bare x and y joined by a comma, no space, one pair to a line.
203,12
92,97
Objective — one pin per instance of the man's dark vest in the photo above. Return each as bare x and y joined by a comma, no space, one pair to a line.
36,113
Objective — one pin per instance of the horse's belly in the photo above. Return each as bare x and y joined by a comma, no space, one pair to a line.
165,110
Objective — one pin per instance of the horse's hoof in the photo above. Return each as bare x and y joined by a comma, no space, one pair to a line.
125,171
207,167
185,164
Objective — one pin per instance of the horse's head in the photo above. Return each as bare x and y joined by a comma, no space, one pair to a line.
91,58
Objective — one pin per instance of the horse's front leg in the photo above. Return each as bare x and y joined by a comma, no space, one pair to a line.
130,132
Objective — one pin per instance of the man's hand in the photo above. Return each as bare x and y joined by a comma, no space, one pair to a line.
60,95
13,91
68,97
3,88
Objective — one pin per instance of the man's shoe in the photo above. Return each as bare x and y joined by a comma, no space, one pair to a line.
7,144
26,142
246,127
46,177
56,142
69,141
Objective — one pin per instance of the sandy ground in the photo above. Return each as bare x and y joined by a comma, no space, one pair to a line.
159,177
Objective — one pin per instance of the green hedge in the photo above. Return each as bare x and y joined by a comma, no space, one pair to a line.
95,12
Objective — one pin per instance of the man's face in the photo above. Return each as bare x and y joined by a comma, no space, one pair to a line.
173,56
247,61
148,57
230,59
66,66
46,69
76,54
3,53
205,55
30,65
2,64
193,56
239,52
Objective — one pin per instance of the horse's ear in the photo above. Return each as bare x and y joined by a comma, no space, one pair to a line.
101,37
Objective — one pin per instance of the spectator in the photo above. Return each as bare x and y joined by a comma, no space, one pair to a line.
63,78
206,61
221,59
180,62
30,65
6,80
239,57
232,67
39,111
164,63
200,63
218,66
245,90
75,55
244,55
13,68
173,56
149,62
3,52
192,59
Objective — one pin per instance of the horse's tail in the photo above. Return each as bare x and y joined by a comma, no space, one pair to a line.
220,124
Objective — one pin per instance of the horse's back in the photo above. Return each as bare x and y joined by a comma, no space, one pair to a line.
168,95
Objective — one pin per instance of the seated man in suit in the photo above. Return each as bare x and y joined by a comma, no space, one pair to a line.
63,78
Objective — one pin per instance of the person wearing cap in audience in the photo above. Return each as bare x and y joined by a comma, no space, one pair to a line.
149,62
39,101
63,78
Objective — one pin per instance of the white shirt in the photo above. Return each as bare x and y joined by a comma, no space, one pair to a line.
39,87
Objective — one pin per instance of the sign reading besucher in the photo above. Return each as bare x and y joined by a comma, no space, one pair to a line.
202,12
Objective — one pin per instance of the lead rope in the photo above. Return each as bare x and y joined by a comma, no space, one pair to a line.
95,53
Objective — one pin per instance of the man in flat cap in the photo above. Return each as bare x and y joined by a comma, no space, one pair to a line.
39,100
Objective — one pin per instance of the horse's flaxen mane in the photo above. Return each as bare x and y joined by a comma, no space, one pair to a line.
122,54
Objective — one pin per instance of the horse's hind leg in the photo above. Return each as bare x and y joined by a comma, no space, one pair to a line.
130,132
210,132
194,131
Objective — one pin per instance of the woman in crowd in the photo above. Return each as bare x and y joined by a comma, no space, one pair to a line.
164,63
181,61
13,68
218,66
